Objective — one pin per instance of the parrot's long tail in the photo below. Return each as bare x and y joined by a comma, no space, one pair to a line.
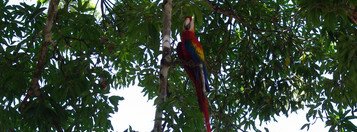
195,76
202,101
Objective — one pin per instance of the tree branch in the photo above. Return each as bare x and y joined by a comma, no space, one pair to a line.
353,15
165,65
34,89
229,13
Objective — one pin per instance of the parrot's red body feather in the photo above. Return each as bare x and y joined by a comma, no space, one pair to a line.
190,52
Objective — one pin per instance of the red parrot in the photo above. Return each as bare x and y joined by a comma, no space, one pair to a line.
190,52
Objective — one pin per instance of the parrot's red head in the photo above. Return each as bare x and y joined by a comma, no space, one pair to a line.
188,24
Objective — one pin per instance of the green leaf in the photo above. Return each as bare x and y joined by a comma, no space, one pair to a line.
266,129
114,100
305,125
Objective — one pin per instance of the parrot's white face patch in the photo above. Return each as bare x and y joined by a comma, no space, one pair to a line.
187,23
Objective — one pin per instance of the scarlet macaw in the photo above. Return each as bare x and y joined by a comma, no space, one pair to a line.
190,52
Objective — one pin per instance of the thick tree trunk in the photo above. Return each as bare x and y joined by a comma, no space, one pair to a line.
52,11
34,89
165,65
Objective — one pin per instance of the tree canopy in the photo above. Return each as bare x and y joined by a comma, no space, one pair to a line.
266,58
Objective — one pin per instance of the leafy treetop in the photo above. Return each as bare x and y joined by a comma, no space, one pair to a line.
265,58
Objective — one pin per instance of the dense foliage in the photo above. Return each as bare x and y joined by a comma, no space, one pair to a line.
266,59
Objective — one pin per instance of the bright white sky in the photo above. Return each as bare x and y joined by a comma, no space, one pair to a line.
138,112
